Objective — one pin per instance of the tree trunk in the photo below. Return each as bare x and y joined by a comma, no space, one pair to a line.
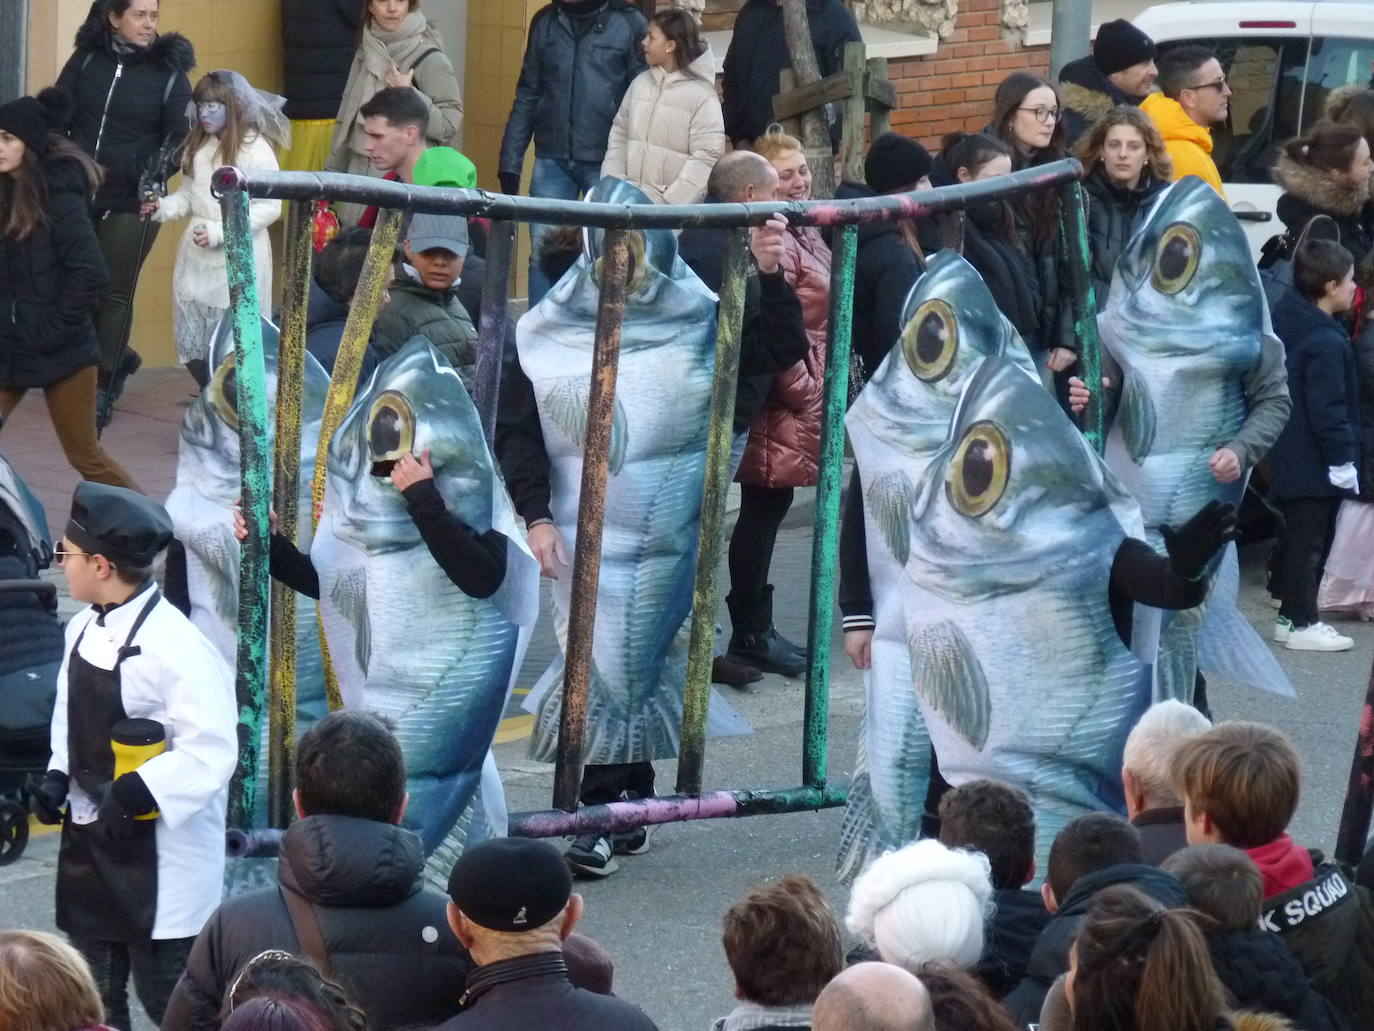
815,131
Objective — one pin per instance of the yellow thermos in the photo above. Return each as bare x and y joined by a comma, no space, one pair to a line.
135,742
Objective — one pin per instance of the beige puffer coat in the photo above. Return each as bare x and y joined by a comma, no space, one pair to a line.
669,132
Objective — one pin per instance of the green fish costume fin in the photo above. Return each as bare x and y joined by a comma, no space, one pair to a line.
566,403
1137,417
949,678
889,499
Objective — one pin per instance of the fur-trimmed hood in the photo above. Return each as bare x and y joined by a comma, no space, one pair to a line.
1086,90
171,49
1259,1022
1320,188
1339,97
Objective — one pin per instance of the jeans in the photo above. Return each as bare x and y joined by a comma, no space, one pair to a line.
562,180
71,407
155,965
125,240
1309,524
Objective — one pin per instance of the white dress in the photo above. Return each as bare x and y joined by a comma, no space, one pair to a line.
200,282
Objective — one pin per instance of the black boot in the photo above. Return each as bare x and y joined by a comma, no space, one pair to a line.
797,649
109,388
755,642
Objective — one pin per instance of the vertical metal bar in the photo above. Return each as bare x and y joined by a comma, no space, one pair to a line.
491,335
710,536
251,656
825,543
591,510
343,384
1359,794
281,688
1074,230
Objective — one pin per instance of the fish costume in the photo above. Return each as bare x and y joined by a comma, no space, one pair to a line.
896,426
653,491
1186,320
404,640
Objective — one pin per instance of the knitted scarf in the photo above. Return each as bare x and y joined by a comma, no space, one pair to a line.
378,52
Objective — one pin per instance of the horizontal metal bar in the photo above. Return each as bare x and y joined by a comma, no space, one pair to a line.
357,189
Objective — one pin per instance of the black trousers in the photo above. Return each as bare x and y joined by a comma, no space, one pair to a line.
602,784
156,966
1309,524
761,512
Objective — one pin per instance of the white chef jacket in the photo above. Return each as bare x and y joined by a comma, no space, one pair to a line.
179,680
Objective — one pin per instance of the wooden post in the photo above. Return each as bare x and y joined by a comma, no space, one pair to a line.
787,85
815,132
852,141
880,120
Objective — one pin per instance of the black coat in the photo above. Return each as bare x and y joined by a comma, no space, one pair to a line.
1162,833
1364,373
1309,191
387,936
1324,428
1050,956
324,326
1113,214
1017,921
571,85
1261,973
49,283
522,994
127,106
1087,95
319,38
885,270
758,54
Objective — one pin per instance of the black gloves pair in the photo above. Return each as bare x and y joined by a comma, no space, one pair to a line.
47,796
118,802
1193,544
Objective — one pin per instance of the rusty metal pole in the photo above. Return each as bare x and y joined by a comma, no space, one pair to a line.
591,511
491,335
710,535
281,688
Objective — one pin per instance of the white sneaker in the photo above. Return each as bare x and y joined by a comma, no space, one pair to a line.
1319,637
1283,626
1275,603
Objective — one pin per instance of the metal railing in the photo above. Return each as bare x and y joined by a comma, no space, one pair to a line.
236,187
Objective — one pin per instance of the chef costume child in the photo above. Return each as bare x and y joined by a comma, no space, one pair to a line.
143,746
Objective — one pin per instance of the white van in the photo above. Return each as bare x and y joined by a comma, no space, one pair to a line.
1282,60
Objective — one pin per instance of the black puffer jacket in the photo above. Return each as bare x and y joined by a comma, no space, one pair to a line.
1261,973
1113,213
324,326
1087,96
319,38
387,937
129,101
574,75
1050,957
49,283
1309,191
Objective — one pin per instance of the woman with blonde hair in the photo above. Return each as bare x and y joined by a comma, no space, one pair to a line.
45,985
1125,166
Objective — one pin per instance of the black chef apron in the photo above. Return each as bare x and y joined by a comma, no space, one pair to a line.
106,890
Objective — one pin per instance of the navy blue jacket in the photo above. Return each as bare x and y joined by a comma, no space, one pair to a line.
571,84
1324,428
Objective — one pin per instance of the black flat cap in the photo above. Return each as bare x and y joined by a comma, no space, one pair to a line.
125,526
510,884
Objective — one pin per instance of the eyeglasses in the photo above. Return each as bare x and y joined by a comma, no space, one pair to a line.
60,552
1043,115
1218,85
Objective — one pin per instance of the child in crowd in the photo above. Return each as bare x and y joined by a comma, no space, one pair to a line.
1313,462
1256,968
46,985
332,285
1240,784
234,125
669,131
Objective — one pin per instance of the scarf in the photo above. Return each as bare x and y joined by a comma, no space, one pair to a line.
1283,864
378,52
748,1016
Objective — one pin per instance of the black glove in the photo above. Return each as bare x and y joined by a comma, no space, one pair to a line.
1193,544
113,822
47,796
510,182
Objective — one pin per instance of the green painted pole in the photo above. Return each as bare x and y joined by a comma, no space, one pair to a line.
281,688
825,543
251,676
711,534
1074,229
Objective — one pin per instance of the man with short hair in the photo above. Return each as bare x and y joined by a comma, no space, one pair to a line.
394,124
874,997
512,908
996,820
783,944
1091,852
1193,97
1119,72
1152,803
350,877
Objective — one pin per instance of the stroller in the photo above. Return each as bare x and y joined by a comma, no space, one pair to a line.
30,653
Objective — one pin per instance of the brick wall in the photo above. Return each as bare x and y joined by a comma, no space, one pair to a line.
951,90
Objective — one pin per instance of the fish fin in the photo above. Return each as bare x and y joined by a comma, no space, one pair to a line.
889,499
224,590
1137,417
949,678
566,402
858,829
1227,644
620,438
349,595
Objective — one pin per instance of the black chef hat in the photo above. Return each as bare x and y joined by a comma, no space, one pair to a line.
895,161
126,527
33,118
1119,44
510,884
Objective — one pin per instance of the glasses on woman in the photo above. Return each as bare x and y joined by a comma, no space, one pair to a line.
1043,115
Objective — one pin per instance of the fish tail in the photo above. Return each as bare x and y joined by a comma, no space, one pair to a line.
859,829
615,734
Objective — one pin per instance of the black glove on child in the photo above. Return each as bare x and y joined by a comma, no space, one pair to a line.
47,796
120,801
1193,544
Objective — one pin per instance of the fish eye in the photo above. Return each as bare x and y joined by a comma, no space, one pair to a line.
1176,258
390,427
931,341
638,269
224,391
978,476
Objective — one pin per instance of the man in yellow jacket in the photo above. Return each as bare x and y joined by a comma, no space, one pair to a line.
1194,97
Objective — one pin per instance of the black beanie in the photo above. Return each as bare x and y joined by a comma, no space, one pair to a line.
33,118
1119,44
894,161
